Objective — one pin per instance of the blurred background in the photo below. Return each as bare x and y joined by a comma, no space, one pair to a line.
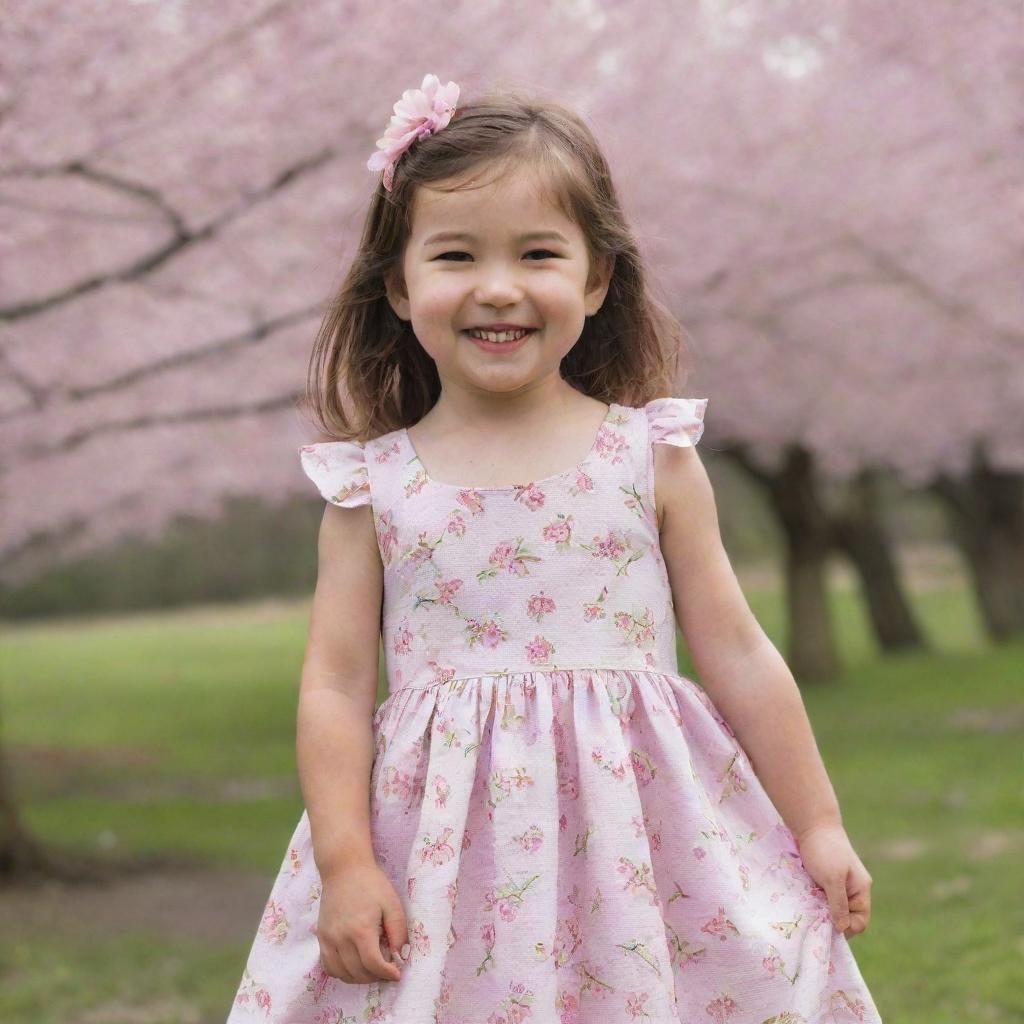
830,195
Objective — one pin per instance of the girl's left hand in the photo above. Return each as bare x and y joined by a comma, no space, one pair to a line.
831,861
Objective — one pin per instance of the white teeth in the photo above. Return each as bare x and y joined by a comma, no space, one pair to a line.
498,336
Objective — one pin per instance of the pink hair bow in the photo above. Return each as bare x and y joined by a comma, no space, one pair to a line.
419,113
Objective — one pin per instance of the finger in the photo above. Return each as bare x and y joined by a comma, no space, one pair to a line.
330,962
374,963
395,928
357,974
859,920
391,957
839,905
860,903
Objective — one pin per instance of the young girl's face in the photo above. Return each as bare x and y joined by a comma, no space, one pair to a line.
495,274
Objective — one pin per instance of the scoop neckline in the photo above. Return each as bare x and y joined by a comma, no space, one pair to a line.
612,406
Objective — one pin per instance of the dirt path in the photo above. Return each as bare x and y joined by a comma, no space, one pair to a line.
218,904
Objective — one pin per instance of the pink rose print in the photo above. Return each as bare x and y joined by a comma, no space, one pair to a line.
774,964
396,785
387,536
501,783
401,642
643,827
510,558
388,454
635,1003
317,979
437,851
252,993
486,632
568,1008
412,558
472,500
733,778
559,532
539,651
639,878
416,483
720,925
439,673
441,592
611,444
508,898
442,790
584,483
595,609
274,926
487,939
612,546
617,770
515,1007
638,626
419,940
530,495
852,1005
722,1009
456,525
644,768
531,840
539,605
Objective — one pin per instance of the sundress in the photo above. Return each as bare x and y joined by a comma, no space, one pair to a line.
574,831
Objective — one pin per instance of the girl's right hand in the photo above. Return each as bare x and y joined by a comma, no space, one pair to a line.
361,920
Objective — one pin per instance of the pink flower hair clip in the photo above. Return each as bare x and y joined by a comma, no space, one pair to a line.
419,113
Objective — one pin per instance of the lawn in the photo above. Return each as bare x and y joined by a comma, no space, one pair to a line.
172,736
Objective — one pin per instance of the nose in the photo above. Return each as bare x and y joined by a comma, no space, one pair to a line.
497,285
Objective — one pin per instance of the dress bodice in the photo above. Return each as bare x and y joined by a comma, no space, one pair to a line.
559,573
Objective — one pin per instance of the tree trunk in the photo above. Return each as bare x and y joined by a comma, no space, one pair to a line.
21,857
811,651
986,515
860,533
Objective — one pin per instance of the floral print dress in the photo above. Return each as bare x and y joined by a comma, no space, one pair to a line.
574,831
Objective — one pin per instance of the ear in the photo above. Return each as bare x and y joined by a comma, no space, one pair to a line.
397,293
600,281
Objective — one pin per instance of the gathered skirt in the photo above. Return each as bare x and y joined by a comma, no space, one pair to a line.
581,846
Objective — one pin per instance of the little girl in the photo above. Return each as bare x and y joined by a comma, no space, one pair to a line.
543,820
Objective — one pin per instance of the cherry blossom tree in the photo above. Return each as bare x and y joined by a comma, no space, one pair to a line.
829,194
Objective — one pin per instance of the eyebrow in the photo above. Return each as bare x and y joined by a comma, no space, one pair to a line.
460,236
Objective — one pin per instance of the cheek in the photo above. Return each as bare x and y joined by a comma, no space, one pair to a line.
559,293
439,299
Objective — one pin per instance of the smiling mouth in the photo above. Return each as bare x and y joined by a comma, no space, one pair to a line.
499,337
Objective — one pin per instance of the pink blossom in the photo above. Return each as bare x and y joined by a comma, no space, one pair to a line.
419,113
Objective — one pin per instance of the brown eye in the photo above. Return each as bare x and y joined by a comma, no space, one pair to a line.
545,254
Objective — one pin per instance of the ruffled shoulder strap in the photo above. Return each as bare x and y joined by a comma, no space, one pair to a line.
338,468
678,421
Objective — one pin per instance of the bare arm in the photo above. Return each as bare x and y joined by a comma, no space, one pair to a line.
338,689
737,664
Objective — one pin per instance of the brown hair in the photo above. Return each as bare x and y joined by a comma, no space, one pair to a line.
628,351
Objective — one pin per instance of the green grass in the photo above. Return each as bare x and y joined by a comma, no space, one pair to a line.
128,734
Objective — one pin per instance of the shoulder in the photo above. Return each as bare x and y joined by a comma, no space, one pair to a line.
675,421
675,426
681,482
347,540
339,471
